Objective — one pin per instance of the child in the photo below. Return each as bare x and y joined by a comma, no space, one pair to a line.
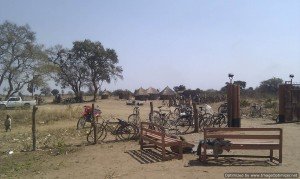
7,123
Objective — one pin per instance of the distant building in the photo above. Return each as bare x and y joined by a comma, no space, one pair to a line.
105,95
153,93
141,94
167,93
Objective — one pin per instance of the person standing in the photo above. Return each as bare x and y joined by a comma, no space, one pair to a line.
7,123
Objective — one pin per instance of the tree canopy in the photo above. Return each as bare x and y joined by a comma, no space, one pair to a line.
87,64
21,57
270,86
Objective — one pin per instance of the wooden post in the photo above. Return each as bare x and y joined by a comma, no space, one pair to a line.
34,109
94,125
151,111
196,121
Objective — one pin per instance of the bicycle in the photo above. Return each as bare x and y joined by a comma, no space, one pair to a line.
256,111
87,116
223,108
185,121
134,118
219,120
164,113
121,129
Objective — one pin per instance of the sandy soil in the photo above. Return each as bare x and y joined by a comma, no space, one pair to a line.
118,159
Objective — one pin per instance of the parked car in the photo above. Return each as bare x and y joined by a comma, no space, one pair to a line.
16,102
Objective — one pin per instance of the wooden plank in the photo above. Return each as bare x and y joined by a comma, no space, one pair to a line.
151,140
251,146
237,136
241,129
246,156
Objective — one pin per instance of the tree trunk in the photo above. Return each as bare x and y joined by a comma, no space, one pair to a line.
96,88
8,94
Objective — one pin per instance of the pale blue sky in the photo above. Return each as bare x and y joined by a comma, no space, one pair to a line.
159,43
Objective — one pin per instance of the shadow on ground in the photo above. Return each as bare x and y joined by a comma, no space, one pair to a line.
226,161
145,156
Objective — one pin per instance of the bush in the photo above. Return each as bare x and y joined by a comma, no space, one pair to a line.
270,104
244,103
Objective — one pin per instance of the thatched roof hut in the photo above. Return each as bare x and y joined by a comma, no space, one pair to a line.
141,94
125,94
105,94
153,93
167,93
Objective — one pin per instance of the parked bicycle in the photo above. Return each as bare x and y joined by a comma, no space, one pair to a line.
216,120
256,111
223,108
134,118
122,130
165,113
87,116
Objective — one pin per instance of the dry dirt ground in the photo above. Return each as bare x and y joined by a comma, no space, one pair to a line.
64,153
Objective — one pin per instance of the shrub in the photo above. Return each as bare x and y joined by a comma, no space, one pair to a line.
245,103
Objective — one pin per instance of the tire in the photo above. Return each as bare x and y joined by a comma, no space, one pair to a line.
26,106
217,121
126,132
177,112
156,118
81,123
207,120
223,120
134,119
222,109
183,125
101,133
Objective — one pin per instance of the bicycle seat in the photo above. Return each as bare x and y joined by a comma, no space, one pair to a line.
159,107
122,122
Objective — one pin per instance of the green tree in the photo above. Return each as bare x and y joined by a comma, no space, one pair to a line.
46,90
70,71
55,92
21,57
242,84
179,88
270,86
101,63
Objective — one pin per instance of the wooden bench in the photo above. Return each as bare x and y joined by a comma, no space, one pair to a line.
156,137
246,139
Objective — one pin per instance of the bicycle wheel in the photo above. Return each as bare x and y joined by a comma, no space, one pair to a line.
207,120
217,121
134,119
126,132
81,123
156,118
176,112
101,133
224,122
183,124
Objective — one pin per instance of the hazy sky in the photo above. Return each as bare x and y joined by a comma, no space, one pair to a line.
159,43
